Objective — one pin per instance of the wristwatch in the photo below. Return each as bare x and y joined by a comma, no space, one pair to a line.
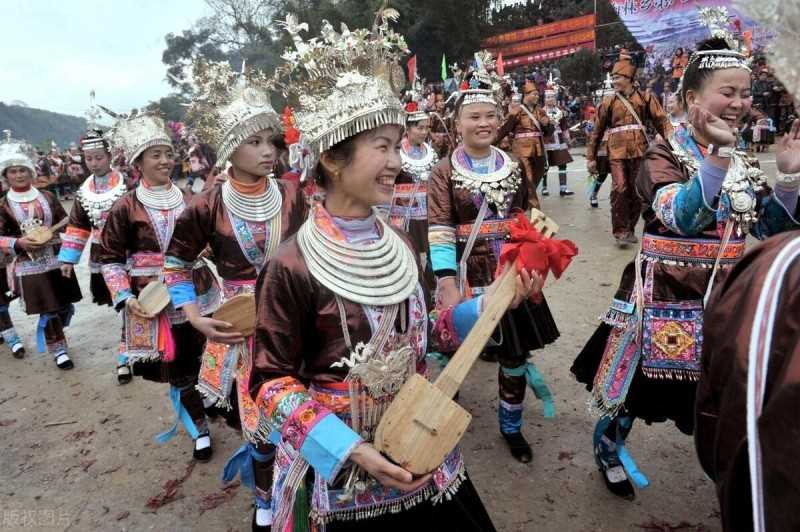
723,152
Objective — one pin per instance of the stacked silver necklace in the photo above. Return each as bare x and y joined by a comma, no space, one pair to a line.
381,273
96,203
162,197
258,208
420,168
496,186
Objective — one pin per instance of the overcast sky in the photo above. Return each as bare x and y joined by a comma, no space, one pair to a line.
54,52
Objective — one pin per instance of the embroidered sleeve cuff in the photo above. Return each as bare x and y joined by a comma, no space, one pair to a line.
324,440
681,207
73,240
178,278
7,244
118,283
181,293
451,325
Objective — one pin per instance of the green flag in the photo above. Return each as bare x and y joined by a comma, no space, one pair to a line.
444,68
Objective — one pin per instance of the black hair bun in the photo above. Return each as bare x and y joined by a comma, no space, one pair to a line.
714,43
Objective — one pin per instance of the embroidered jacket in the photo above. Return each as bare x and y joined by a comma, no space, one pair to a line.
451,208
303,394
88,216
133,243
236,245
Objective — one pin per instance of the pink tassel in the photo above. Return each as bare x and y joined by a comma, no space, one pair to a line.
165,329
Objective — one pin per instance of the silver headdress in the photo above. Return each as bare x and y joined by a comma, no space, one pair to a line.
784,54
15,152
136,132
718,21
342,84
229,106
552,87
93,139
484,82
415,108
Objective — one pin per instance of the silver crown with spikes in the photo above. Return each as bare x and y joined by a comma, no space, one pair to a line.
230,106
343,83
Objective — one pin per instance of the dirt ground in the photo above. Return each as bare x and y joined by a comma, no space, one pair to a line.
77,450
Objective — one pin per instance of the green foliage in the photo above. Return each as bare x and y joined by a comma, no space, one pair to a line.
432,28
39,127
581,67
172,107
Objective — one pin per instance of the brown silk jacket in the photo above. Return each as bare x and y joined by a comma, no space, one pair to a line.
721,431
521,124
451,206
206,222
630,144
298,327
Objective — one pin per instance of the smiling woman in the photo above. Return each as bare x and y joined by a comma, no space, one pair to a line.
472,197
35,270
163,347
342,320
702,197
242,221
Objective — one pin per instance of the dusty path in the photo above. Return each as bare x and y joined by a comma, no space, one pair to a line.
99,469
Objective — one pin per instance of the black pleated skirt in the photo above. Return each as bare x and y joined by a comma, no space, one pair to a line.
529,327
186,366
464,512
651,400
100,294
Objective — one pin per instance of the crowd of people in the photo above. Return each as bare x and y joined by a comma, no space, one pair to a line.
360,231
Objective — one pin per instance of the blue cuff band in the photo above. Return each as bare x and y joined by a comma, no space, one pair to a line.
69,255
465,315
328,445
443,257
182,293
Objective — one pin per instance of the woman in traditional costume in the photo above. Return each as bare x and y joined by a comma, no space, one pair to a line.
472,197
702,198
242,220
35,269
341,311
556,142
90,210
8,333
163,347
748,431
409,209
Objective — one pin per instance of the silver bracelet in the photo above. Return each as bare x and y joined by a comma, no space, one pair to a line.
787,179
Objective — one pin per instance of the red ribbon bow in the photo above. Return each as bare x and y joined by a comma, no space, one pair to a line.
528,249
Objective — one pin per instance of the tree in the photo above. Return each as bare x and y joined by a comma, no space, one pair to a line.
172,107
580,67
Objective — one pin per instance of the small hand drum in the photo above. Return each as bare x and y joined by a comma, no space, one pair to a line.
240,312
154,297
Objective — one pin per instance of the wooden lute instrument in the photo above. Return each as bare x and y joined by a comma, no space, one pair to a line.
423,424
42,235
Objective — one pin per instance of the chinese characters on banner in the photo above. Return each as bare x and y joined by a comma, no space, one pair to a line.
664,25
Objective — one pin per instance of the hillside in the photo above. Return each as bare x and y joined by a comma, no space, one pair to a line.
37,125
